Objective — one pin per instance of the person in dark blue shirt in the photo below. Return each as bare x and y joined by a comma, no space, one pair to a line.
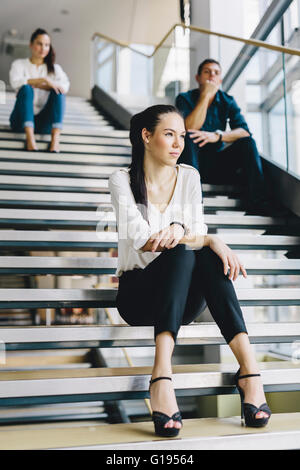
206,111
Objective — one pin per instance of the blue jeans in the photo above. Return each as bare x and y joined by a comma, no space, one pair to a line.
50,116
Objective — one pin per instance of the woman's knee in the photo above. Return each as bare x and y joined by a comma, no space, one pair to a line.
59,97
180,255
25,90
180,249
209,260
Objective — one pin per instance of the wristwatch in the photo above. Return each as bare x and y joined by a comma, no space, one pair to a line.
182,225
220,134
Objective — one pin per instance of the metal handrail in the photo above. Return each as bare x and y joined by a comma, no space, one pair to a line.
251,42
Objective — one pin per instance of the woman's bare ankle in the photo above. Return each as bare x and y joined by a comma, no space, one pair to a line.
159,371
31,144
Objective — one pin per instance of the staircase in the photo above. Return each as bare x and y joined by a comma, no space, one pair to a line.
66,380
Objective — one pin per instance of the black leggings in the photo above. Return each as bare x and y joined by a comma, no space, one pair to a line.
175,288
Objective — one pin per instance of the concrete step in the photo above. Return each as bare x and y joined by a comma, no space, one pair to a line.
92,241
77,131
53,169
87,201
77,107
102,218
133,382
64,158
84,184
53,359
70,116
45,183
74,123
122,335
71,108
58,298
72,105
105,140
71,147
78,126
282,433
71,265
53,413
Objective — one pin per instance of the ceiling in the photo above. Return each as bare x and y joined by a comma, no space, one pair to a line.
130,21
133,21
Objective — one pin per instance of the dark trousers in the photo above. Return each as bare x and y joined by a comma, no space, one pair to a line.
175,288
50,116
239,163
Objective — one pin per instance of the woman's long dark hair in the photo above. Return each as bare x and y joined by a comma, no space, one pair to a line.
49,60
149,119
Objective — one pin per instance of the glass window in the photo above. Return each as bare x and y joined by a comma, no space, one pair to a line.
291,20
254,10
277,134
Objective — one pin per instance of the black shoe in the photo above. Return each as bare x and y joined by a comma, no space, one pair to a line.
160,419
249,411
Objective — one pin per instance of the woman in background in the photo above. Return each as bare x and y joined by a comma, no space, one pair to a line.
41,85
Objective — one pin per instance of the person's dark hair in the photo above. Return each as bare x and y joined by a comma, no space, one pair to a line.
207,61
149,119
49,60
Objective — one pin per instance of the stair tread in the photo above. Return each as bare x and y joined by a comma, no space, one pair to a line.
85,159
67,238
68,147
124,383
196,433
28,294
110,216
41,261
84,132
179,372
64,138
199,333
83,182
92,198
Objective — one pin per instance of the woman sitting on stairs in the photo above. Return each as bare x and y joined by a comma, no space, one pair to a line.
41,86
169,269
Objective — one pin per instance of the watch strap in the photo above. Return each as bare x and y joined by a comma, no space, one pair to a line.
182,225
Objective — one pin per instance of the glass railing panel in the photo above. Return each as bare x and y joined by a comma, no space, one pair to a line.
137,77
292,86
165,82
265,90
172,74
253,12
291,21
104,67
259,92
265,105
134,70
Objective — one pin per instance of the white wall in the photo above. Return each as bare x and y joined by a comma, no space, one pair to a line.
223,17
200,43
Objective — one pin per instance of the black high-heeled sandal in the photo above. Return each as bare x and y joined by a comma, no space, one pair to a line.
249,411
160,419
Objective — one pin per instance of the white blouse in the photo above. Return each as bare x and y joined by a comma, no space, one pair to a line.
23,70
134,231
